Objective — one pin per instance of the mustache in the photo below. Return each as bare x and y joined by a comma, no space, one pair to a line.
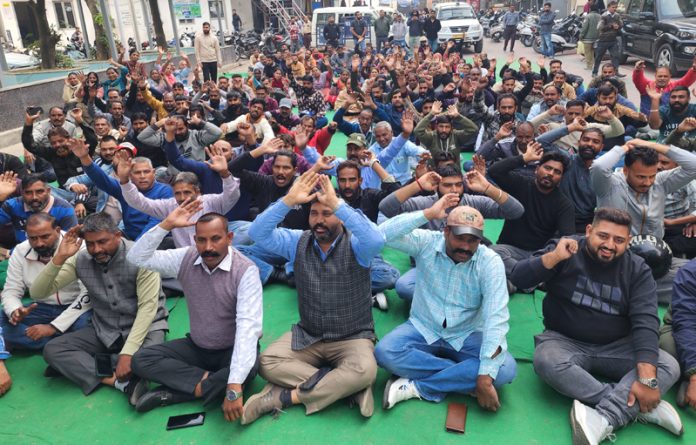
210,254
464,251
319,226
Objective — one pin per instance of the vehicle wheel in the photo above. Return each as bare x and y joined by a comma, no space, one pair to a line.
665,57
527,41
497,36
537,44
478,46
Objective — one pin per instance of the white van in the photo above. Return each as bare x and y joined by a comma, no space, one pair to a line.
459,23
344,16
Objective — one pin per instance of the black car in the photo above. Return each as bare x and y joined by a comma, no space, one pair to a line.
662,31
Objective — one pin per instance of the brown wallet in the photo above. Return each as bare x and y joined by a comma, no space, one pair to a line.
456,418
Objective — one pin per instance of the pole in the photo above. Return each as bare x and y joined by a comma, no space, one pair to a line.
148,22
3,66
175,27
220,8
83,23
135,25
119,24
107,29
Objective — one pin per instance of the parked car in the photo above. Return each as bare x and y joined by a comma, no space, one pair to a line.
663,32
21,61
459,24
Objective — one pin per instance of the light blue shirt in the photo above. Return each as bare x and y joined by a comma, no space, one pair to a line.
469,297
370,179
511,18
366,239
400,166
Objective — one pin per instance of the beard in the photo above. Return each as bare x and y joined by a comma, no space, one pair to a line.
45,252
443,135
181,137
506,117
325,234
678,107
586,152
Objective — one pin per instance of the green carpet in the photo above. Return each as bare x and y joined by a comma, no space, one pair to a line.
53,411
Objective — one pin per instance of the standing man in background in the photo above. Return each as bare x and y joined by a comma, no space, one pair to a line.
608,39
546,21
208,53
382,25
510,20
236,21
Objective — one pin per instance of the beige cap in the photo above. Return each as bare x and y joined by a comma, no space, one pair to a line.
465,220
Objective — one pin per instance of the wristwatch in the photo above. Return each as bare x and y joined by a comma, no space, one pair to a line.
232,395
650,383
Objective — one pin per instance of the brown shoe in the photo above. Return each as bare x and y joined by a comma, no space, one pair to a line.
267,401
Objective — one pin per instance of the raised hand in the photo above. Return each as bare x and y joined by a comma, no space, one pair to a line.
640,65
79,148
436,108
8,184
687,125
505,131
29,119
80,210
76,113
69,245
19,313
439,209
653,92
302,190
195,119
407,123
476,182
325,163
604,113
452,111
479,164
566,248
327,193
557,110
124,166
534,152
366,158
217,162
429,181
181,216
301,138
578,124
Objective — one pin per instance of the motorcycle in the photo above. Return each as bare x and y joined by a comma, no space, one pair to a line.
564,35
496,31
246,43
273,41
525,33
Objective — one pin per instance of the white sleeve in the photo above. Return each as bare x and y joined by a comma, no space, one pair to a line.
144,254
249,325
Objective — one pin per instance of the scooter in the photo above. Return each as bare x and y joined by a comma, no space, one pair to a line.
525,33
565,35
496,31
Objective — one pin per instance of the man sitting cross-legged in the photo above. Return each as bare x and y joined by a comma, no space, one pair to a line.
223,295
600,315
328,355
454,339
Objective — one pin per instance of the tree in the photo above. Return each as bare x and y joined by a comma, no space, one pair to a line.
102,44
48,38
157,23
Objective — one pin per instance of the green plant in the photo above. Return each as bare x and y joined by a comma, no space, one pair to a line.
64,61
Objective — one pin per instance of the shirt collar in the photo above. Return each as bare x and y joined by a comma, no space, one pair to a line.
225,264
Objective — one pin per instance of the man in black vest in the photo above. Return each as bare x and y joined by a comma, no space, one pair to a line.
329,354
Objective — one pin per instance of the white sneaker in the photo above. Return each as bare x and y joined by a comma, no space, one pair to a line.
665,416
398,390
589,427
380,300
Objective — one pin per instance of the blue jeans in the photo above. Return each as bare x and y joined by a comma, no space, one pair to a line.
382,275
433,44
43,314
380,41
241,233
546,44
437,369
359,46
264,260
406,285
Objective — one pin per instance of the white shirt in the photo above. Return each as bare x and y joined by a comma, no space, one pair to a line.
22,269
144,254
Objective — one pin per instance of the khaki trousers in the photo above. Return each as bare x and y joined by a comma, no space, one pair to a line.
352,361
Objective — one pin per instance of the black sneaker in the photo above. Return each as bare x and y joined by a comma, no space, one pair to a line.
135,389
280,276
161,396
51,372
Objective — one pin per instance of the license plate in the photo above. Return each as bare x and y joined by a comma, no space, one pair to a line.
459,36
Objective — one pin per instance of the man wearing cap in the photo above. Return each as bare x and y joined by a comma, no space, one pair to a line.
459,311
356,150
284,115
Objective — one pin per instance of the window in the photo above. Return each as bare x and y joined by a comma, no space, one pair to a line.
633,8
64,14
649,6
214,6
